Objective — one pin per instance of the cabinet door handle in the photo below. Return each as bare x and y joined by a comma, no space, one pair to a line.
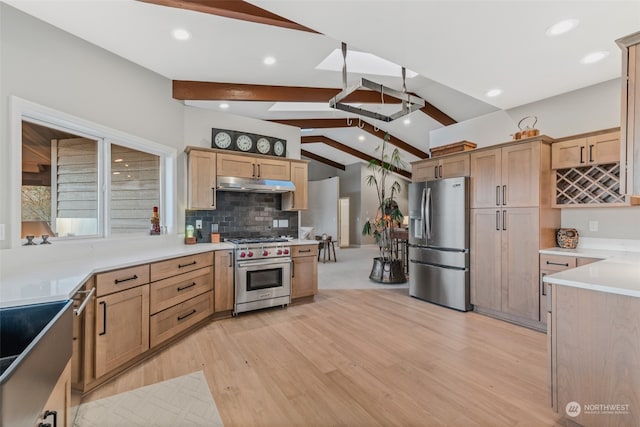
440,171
253,170
230,259
192,312
258,170
562,264
55,417
187,264
504,220
435,172
104,318
590,153
293,270
497,220
542,288
134,277
497,195
504,195
182,288
581,154
213,196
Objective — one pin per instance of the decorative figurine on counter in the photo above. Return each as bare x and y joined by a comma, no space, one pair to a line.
155,222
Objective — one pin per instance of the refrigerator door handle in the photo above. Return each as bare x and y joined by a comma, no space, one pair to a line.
423,201
428,212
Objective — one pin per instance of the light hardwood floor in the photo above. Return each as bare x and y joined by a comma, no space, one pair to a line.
361,358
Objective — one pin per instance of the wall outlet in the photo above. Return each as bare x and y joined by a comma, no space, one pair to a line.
275,223
283,223
198,224
593,225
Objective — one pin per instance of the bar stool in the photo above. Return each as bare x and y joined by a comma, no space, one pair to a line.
325,246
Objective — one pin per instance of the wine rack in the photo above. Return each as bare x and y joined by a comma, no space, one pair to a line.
588,185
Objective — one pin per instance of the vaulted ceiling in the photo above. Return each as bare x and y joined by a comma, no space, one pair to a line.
459,50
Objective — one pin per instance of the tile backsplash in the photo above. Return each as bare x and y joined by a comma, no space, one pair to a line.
241,214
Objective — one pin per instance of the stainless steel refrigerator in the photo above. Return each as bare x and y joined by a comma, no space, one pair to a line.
439,242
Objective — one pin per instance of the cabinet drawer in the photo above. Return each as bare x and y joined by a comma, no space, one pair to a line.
304,250
162,270
119,280
556,262
174,320
174,290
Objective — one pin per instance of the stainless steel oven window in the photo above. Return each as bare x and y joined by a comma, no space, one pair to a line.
264,279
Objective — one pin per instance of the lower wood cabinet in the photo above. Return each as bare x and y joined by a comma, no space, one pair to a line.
304,280
223,281
170,322
122,328
175,290
56,411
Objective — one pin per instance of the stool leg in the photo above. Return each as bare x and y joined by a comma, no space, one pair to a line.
333,246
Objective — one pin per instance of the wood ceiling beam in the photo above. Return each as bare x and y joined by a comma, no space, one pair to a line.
322,160
235,9
186,90
342,123
346,149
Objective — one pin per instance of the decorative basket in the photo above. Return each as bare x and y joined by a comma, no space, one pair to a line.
567,238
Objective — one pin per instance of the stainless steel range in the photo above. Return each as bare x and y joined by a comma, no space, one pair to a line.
263,273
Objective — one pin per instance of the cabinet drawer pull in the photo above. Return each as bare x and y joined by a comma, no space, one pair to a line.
497,220
187,264
104,318
187,315
304,250
134,277
504,220
497,195
186,287
561,264
504,195
55,417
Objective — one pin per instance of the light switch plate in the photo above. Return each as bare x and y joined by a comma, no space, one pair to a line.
593,225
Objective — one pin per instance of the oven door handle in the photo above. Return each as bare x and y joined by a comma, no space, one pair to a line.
242,265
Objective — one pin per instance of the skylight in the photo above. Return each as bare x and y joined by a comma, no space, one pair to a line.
302,106
362,63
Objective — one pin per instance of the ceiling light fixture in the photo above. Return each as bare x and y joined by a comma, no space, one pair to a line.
410,103
269,60
181,34
562,27
492,93
224,106
594,57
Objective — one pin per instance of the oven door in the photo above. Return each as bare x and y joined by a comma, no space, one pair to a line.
262,283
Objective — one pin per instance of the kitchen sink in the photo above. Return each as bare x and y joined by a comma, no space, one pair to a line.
35,347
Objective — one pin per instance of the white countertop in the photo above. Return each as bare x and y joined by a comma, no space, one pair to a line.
617,273
44,273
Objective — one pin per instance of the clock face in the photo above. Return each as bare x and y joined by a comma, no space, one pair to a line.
222,140
244,143
278,148
263,145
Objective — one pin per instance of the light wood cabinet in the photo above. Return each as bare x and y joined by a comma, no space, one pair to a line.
511,220
304,274
56,410
299,199
588,150
170,322
439,168
122,328
122,279
201,180
174,266
177,289
223,282
252,167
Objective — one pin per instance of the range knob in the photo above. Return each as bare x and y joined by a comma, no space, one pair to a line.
279,252
286,251
265,253
250,254
242,254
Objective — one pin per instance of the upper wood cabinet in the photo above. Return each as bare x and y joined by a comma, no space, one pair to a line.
252,167
508,176
587,150
299,199
439,168
201,170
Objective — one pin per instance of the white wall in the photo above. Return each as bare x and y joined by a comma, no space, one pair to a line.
318,171
322,214
351,186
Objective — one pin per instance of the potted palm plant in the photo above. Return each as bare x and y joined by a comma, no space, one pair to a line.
385,268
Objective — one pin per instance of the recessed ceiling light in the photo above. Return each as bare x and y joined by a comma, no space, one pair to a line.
181,34
494,92
224,106
269,60
407,121
562,27
594,57
361,138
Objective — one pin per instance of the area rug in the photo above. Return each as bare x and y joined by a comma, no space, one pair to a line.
181,401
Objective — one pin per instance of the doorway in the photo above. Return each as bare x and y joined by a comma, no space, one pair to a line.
343,222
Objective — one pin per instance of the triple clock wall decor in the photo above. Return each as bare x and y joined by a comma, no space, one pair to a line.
245,142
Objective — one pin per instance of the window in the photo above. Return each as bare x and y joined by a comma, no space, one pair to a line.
80,185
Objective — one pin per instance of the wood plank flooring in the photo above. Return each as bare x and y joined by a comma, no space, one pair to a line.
361,358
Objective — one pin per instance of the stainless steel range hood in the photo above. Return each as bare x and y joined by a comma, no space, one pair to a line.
250,185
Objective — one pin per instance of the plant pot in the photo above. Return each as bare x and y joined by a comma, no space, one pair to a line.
387,271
